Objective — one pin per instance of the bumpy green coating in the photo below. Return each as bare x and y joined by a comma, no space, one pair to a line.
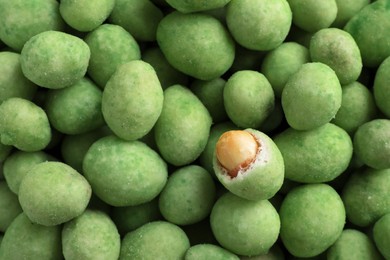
196,6
374,47
132,217
262,179
248,98
382,87
167,74
337,49
365,196
188,196
181,37
12,81
211,94
20,20
259,25
75,109
24,125
139,17
55,59
53,193
182,130
381,233
282,62
313,15
110,46
357,107
132,100
124,173
9,206
91,235
244,227
25,240
311,97
209,251
155,240
17,165
371,143
353,244
312,218
346,9
317,155
85,15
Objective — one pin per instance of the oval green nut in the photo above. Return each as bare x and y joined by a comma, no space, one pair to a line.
381,233
182,130
53,193
248,98
155,240
337,49
258,24
317,155
312,96
346,9
382,87
244,227
9,206
196,6
182,39
312,218
25,239
124,173
209,251
55,59
132,100
92,235
24,125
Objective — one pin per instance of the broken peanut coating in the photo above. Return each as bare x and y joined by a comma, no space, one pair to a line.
249,164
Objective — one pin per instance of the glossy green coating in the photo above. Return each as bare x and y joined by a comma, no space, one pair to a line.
124,173
196,5
209,251
53,193
382,87
381,232
9,206
312,218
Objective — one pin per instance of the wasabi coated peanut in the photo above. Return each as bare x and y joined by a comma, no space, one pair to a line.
12,81
139,17
24,125
188,196
155,240
132,100
317,155
182,130
374,47
311,97
53,193
124,173
18,164
244,227
209,251
196,6
181,37
91,235
26,240
75,109
85,15
9,206
20,20
337,49
313,15
110,46
346,9
353,244
248,164
366,196
259,25
312,218
371,143
248,98
55,59
282,62
382,88
357,107
382,235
